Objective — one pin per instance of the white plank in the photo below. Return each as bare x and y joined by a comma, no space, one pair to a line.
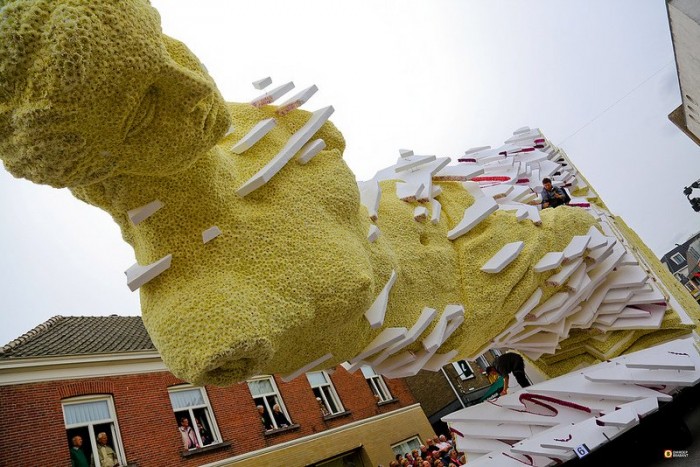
373,233
137,275
497,191
297,100
298,139
271,96
310,150
473,189
439,360
576,247
473,215
449,321
394,362
420,213
597,239
262,83
552,303
461,172
435,210
375,313
140,214
426,317
387,337
210,234
370,194
503,258
529,305
564,273
622,418
496,429
254,135
408,191
628,276
412,162
551,260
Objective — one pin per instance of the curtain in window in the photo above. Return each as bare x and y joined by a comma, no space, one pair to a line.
260,387
184,399
367,371
316,379
86,412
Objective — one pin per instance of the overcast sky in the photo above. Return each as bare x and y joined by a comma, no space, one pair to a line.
596,76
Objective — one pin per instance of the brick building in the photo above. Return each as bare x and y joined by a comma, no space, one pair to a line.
457,385
87,375
682,261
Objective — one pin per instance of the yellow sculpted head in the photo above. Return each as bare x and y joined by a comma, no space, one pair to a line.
92,89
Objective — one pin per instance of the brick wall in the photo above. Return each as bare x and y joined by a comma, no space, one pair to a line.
33,433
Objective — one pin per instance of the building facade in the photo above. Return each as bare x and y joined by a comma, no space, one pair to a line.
682,261
458,385
83,376
684,19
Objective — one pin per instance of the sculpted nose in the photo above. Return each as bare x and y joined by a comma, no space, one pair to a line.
190,88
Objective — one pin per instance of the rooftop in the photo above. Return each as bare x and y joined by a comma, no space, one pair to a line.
80,335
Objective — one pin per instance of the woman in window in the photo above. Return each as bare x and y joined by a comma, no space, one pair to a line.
280,418
189,438
203,433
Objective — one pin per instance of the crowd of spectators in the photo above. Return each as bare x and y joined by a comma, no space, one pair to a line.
436,452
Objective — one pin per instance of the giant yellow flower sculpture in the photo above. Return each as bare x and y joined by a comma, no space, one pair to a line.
248,262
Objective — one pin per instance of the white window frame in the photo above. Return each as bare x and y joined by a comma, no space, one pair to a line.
482,362
459,371
407,448
329,396
675,258
376,384
275,394
115,437
208,413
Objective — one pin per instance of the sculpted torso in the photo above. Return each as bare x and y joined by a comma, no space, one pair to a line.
106,105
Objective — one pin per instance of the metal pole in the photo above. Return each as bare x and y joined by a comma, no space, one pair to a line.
453,388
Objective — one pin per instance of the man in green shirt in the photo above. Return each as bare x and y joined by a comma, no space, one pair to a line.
496,384
77,456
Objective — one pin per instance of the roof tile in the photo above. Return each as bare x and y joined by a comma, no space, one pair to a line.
81,335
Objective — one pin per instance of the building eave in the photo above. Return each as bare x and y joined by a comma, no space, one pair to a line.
24,370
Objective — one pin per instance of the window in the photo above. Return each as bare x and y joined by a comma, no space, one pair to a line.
464,371
376,384
194,417
678,259
406,446
94,421
482,362
325,393
267,397
495,352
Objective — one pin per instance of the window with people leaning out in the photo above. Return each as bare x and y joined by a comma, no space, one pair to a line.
326,396
92,432
376,384
268,402
193,417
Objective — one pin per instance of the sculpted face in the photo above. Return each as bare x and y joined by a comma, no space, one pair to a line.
103,92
